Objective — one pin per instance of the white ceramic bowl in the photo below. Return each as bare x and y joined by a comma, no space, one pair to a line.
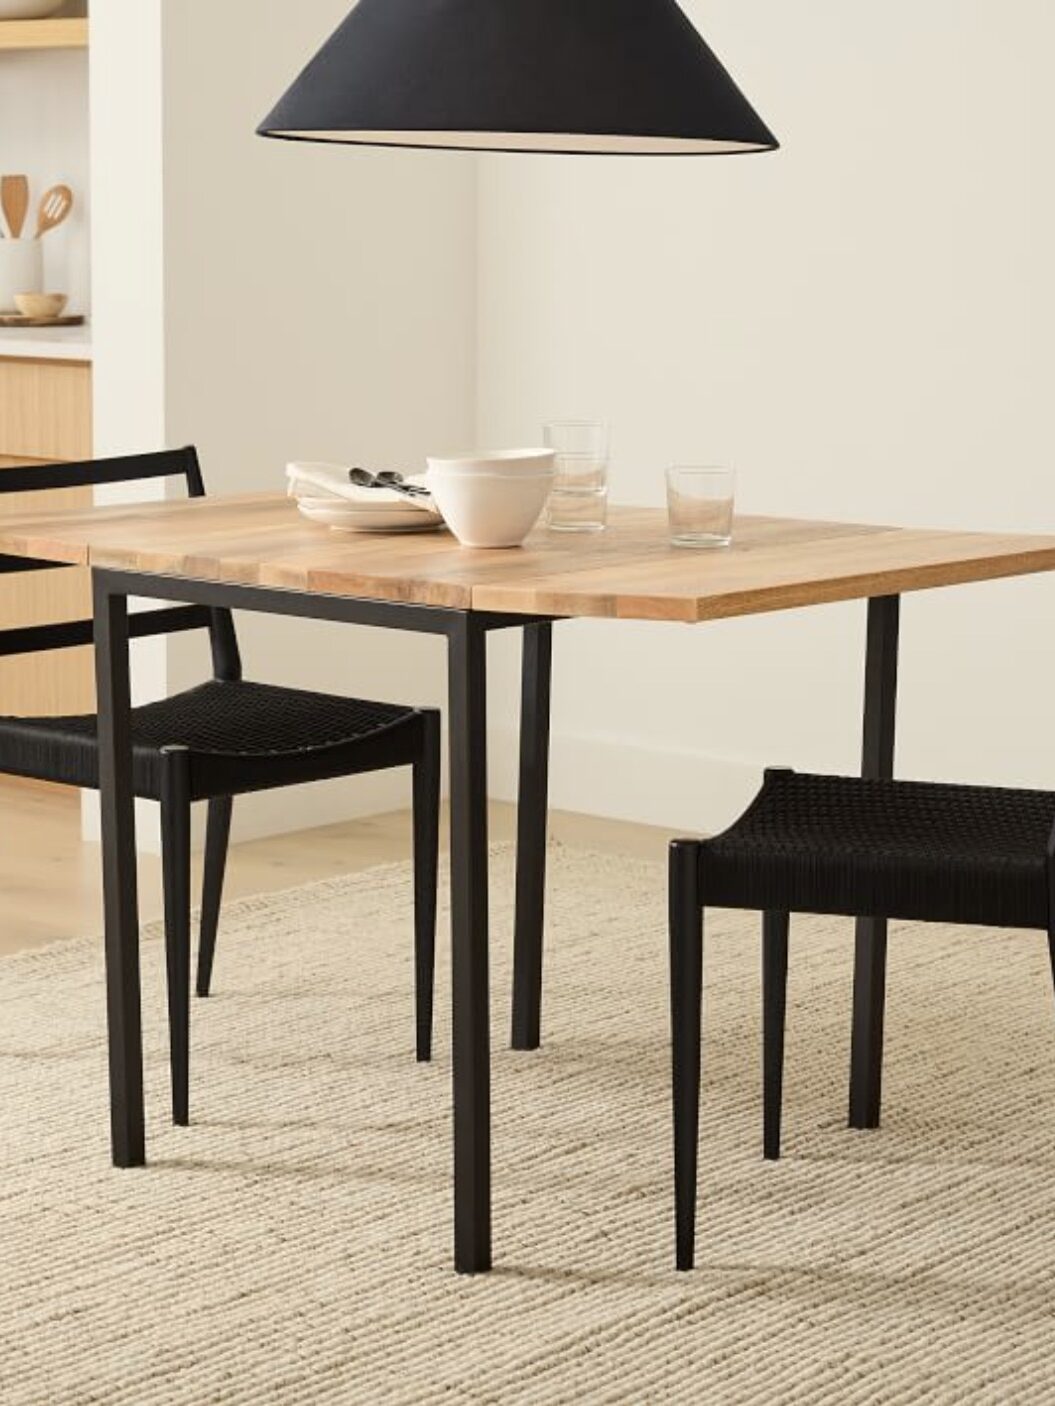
511,463
28,9
489,510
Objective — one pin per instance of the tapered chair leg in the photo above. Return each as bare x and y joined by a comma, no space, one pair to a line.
426,864
217,838
774,1005
686,993
175,852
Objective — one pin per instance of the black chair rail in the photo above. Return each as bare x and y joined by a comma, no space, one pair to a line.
44,478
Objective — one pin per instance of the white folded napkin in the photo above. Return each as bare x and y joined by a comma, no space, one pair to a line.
314,480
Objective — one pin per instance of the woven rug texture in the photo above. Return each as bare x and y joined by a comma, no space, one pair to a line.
294,1244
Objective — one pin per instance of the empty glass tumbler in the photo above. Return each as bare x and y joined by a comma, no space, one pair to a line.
700,503
579,501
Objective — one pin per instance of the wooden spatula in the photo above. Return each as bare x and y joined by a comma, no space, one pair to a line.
14,201
55,205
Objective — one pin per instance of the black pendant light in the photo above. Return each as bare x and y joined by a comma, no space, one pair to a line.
615,77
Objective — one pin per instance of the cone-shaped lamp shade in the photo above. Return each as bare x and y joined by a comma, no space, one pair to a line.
621,77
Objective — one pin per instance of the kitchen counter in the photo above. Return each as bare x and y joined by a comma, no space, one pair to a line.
47,343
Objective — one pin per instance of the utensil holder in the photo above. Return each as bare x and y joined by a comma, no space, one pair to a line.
21,270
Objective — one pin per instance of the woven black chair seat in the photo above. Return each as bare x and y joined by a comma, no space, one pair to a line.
894,849
232,730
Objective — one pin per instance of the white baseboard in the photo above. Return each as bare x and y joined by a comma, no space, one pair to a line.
322,803
621,779
275,812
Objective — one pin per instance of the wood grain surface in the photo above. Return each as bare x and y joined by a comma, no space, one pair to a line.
45,414
629,572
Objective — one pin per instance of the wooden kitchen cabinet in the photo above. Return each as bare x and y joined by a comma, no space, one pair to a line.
45,416
45,409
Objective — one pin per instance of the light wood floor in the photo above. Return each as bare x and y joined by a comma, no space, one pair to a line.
50,880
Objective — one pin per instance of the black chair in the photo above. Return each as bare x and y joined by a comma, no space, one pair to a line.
222,739
833,844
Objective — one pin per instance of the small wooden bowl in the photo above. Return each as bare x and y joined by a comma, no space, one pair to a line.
41,304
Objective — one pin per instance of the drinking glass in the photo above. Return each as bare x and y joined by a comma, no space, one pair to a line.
579,500
700,504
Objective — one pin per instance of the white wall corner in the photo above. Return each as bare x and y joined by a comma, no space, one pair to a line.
127,250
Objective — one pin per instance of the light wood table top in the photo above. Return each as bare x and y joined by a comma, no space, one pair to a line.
629,572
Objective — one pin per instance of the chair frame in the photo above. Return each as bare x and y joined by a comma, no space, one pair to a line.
418,748
44,478
687,921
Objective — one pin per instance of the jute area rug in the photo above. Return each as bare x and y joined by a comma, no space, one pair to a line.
293,1246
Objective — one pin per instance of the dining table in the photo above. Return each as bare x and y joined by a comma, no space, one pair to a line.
255,553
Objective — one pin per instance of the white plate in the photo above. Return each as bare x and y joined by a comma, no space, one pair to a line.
383,502
377,517
401,530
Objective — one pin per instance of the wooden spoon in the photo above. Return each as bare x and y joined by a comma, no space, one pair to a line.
14,201
55,205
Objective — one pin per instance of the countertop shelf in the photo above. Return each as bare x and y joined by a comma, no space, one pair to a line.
46,343
44,34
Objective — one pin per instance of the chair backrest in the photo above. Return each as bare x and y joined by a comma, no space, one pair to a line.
169,463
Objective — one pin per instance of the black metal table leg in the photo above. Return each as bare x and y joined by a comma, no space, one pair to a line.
119,877
466,634
531,836
467,667
870,954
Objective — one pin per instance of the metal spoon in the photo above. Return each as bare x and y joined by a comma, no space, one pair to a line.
390,479
363,478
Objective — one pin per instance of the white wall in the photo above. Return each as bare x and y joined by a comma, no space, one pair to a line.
128,261
128,250
317,303
859,323
862,325
320,304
